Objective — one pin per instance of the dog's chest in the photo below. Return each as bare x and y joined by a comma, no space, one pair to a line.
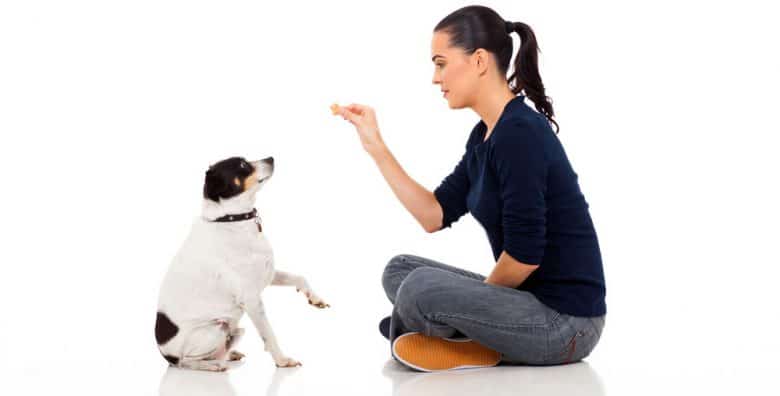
254,259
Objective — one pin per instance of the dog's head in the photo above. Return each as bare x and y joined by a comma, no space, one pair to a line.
235,176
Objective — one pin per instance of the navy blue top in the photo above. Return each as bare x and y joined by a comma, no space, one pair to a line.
521,188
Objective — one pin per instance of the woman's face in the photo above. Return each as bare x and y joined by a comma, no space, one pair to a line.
454,70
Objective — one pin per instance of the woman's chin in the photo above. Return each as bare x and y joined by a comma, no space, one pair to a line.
454,105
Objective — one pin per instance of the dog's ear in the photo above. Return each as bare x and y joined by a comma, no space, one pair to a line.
218,186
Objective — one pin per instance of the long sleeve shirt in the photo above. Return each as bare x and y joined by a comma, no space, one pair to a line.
519,185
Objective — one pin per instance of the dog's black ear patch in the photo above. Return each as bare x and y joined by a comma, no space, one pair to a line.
216,187
164,329
220,178
171,359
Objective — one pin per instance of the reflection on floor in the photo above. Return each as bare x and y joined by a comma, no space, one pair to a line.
578,378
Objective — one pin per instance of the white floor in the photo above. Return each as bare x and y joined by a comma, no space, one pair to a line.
336,362
390,379
373,375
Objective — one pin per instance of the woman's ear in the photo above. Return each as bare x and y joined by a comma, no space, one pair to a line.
480,57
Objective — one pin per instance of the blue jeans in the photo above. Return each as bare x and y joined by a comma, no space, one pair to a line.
440,300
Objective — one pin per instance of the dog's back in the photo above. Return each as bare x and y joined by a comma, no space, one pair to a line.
194,294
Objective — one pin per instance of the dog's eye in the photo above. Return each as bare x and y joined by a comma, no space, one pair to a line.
243,164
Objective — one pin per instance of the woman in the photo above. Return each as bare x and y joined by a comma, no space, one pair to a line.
543,302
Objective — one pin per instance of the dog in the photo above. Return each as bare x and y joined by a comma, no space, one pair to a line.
219,273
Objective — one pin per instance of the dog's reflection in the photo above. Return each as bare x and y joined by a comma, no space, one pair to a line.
184,382
578,378
178,381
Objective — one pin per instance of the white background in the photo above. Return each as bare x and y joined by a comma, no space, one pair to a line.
111,111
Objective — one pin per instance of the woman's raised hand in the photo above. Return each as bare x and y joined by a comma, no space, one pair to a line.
421,203
364,120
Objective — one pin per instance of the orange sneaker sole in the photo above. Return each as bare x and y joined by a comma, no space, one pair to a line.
426,353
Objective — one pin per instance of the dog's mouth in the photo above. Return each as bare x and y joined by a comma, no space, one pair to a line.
262,179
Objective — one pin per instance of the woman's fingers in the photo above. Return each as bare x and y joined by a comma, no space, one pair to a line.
359,115
362,117
357,108
349,115
350,108
353,112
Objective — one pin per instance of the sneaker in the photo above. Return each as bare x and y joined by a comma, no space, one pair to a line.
425,353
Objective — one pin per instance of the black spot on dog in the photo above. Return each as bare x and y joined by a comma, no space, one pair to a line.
164,329
171,359
221,177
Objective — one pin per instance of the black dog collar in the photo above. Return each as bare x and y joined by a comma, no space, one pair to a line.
241,217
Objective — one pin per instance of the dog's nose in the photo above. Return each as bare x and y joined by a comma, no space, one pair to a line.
269,161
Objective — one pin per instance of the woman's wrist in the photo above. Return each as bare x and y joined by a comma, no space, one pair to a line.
380,153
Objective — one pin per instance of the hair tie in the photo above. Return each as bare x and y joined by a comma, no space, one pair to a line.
509,26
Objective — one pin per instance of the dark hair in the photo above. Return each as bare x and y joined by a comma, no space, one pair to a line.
475,27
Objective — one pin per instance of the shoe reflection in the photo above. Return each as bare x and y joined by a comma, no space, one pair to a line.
577,378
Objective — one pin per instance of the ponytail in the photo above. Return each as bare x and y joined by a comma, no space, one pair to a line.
525,75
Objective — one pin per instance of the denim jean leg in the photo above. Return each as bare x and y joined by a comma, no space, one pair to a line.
412,294
438,302
402,265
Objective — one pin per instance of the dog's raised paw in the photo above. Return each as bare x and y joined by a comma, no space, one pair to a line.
320,304
287,362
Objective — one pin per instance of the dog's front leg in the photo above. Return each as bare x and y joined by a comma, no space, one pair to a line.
256,311
282,278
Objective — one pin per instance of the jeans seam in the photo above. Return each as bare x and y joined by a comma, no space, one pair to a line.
555,321
395,275
409,258
438,315
593,327
391,278
596,330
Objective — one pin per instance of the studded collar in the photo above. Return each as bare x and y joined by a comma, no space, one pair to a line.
240,217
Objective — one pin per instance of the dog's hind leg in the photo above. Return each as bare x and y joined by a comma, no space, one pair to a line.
282,278
235,337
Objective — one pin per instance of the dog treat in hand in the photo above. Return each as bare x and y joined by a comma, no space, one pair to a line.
335,108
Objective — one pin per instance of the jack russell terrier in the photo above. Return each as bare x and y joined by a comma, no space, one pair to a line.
220,272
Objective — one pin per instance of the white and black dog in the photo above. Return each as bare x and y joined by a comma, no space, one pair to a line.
220,272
